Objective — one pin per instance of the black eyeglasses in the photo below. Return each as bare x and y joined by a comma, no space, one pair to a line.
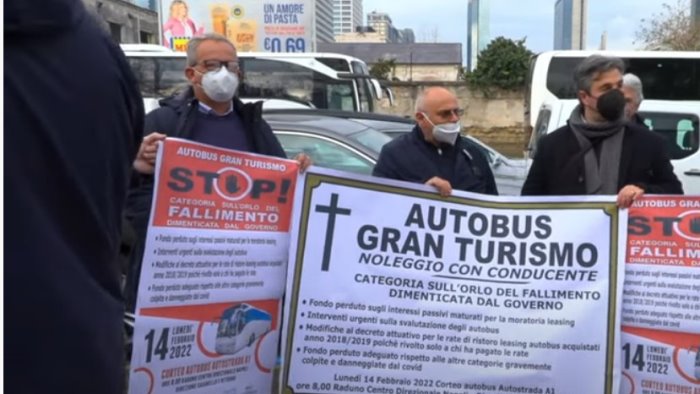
447,112
214,65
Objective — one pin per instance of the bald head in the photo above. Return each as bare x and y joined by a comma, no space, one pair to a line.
430,96
436,105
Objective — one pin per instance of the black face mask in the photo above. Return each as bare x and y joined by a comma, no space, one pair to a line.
611,104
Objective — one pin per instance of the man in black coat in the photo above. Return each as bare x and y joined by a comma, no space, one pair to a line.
73,122
207,112
598,151
435,153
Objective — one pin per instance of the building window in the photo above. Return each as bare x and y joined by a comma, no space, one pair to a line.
115,31
146,38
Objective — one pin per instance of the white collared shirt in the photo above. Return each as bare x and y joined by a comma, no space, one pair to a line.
208,110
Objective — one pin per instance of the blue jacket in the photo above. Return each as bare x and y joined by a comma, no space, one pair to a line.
411,158
73,122
176,118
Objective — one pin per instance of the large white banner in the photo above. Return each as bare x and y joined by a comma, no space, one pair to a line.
213,273
661,303
393,289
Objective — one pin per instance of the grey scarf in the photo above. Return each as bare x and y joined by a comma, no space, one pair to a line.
601,175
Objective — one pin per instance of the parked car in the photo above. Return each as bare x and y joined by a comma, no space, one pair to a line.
335,142
351,141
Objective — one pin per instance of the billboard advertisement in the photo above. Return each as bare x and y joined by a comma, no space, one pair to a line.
252,25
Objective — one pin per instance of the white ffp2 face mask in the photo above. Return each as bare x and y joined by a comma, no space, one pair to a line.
445,133
220,85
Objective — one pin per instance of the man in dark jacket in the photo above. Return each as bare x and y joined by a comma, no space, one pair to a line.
435,153
598,152
207,112
73,121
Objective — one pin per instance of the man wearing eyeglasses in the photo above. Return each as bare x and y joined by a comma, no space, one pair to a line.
208,112
434,152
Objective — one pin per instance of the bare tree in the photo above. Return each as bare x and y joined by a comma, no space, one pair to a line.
434,34
672,29
431,34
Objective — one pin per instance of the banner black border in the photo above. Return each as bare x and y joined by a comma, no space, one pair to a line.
314,180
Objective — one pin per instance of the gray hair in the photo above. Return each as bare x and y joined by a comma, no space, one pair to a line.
593,65
194,43
635,83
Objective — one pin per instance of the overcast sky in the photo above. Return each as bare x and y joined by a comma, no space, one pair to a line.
516,19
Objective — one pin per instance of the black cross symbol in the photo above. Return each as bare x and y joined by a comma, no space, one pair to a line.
332,210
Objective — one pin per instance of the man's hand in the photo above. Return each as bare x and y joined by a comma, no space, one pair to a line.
145,161
443,186
304,161
628,195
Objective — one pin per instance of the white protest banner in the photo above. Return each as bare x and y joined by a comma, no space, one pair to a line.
661,302
393,289
209,300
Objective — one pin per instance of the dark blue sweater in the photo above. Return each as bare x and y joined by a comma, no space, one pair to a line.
225,131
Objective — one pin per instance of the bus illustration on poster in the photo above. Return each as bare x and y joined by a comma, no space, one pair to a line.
240,326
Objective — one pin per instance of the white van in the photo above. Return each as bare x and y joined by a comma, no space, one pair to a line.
677,121
667,75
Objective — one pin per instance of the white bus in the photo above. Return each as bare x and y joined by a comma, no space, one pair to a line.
289,80
239,327
665,75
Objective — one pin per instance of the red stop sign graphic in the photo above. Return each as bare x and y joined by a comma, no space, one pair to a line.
689,226
232,184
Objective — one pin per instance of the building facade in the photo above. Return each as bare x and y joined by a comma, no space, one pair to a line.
570,24
324,21
379,29
382,24
412,62
409,37
126,21
347,15
477,30
361,36
148,4
695,11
